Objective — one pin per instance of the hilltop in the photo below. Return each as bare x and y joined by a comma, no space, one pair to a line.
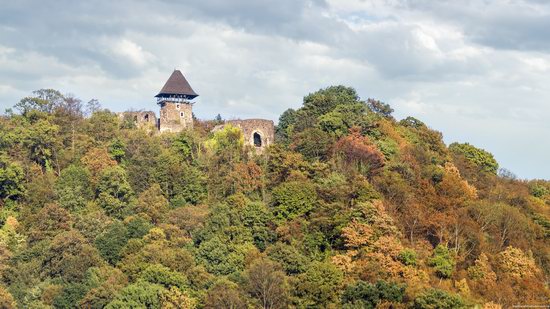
348,208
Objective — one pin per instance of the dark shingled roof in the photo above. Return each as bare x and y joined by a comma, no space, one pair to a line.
177,85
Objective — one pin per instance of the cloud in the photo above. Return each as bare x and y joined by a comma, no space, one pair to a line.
476,70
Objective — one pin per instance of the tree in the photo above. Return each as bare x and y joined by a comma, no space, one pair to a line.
320,284
222,258
48,222
380,108
159,274
152,203
438,299
266,282
6,300
517,264
224,294
114,193
227,142
174,298
110,242
103,126
138,295
44,100
92,106
73,187
293,199
477,156
246,177
442,262
289,257
96,160
117,150
285,125
69,256
104,283
344,117
358,153
41,142
312,143
11,179
325,100
366,295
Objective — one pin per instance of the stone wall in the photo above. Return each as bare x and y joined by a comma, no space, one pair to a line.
175,117
142,119
258,133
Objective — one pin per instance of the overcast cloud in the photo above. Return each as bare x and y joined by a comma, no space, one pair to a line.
479,71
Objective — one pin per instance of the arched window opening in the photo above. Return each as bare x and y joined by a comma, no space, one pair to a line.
181,114
257,140
146,118
135,118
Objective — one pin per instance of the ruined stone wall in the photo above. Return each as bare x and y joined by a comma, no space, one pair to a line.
142,119
262,127
175,117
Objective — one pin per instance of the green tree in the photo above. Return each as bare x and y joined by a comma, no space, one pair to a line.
312,143
442,262
407,257
164,276
41,141
11,179
326,100
138,295
117,150
73,187
222,258
70,295
366,295
227,142
103,126
438,299
293,199
110,242
285,125
44,100
292,260
344,117
477,156
114,193
320,284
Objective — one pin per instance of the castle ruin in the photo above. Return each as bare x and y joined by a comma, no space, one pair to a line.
176,115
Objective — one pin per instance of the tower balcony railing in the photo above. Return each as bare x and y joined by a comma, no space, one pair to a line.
172,99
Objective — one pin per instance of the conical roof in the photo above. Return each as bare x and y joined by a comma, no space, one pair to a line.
177,85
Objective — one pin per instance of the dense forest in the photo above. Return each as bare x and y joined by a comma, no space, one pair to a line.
350,208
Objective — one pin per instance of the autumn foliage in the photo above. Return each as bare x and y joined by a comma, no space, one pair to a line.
350,208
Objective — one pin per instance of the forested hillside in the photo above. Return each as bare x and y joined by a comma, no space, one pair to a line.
350,208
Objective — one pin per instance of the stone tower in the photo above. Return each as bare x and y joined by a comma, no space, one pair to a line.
176,110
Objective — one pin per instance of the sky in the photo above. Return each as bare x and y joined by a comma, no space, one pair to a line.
478,71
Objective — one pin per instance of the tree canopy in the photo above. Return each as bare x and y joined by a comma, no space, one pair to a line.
349,208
